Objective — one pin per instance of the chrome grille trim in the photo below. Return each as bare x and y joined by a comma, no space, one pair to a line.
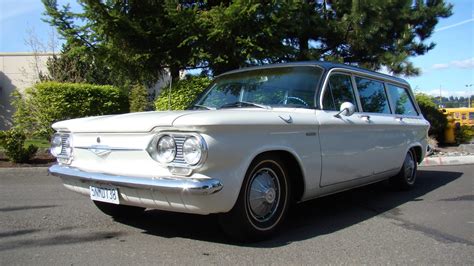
179,158
64,139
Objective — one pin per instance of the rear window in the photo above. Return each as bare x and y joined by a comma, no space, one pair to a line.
402,101
372,96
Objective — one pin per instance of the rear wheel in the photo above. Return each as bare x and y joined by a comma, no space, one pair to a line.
118,211
263,201
406,178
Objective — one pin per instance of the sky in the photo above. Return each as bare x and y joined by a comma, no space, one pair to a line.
447,69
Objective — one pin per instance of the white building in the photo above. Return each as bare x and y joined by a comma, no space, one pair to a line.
18,71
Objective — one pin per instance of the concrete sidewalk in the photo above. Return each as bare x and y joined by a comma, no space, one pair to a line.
448,160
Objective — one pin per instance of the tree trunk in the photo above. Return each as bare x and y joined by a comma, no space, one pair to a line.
304,48
174,72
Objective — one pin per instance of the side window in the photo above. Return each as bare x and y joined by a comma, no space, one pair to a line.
339,90
402,101
372,96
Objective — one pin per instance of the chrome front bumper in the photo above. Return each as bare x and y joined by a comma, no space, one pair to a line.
181,185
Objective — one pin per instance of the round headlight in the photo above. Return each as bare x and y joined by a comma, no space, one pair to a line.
192,150
166,149
56,145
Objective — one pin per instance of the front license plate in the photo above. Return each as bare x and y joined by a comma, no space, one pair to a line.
105,194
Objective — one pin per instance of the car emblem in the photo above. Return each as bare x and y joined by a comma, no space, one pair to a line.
98,139
288,120
100,150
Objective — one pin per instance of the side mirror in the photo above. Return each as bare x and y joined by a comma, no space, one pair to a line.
346,109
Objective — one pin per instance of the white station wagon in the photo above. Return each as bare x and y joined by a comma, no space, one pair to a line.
257,140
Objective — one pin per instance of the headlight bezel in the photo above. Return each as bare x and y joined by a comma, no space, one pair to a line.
179,138
167,140
56,145
62,147
190,145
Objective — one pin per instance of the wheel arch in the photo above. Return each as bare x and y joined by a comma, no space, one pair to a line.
293,167
418,150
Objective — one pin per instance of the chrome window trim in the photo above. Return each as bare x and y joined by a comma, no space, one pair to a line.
353,72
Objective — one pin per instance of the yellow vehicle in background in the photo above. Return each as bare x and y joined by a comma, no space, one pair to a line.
457,117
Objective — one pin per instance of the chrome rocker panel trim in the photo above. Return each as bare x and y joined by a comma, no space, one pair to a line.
189,185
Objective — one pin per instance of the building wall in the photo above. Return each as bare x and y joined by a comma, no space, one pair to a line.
18,71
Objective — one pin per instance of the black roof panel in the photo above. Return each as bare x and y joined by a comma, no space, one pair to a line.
323,64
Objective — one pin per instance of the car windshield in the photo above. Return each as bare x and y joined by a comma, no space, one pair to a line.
263,88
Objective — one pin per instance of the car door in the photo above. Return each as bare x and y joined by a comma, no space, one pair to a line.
347,142
388,135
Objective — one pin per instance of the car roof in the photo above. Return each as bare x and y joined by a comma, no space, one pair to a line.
323,64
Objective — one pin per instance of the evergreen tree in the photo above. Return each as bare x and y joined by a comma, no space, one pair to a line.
138,39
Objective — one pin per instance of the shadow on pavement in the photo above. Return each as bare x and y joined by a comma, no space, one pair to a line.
21,208
56,240
307,220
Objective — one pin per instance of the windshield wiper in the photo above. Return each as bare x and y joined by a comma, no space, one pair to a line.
242,104
205,107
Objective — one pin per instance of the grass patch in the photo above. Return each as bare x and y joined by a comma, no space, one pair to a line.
40,143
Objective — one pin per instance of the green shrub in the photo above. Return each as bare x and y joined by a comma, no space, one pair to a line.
183,93
13,142
431,113
464,134
48,102
139,100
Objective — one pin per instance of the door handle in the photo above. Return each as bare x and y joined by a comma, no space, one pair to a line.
365,117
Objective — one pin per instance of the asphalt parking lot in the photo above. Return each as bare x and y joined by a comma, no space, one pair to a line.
41,223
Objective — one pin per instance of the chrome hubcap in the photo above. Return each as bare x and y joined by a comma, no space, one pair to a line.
264,194
270,195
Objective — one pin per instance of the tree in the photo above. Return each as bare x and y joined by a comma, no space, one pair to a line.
437,119
77,65
138,39
138,99
135,39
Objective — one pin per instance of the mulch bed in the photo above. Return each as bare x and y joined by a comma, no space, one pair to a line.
42,159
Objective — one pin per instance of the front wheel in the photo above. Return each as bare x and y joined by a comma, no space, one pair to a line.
263,201
118,211
405,179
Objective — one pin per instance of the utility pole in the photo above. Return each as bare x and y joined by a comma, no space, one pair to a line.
440,99
469,91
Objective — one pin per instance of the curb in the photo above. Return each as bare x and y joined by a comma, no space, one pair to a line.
448,160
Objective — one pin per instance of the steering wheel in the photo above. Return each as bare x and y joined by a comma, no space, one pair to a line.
295,99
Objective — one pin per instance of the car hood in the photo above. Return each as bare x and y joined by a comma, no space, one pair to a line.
131,122
147,121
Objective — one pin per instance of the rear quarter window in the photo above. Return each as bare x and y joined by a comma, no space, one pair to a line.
403,104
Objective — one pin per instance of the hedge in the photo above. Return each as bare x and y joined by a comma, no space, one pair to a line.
48,102
431,113
183,93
